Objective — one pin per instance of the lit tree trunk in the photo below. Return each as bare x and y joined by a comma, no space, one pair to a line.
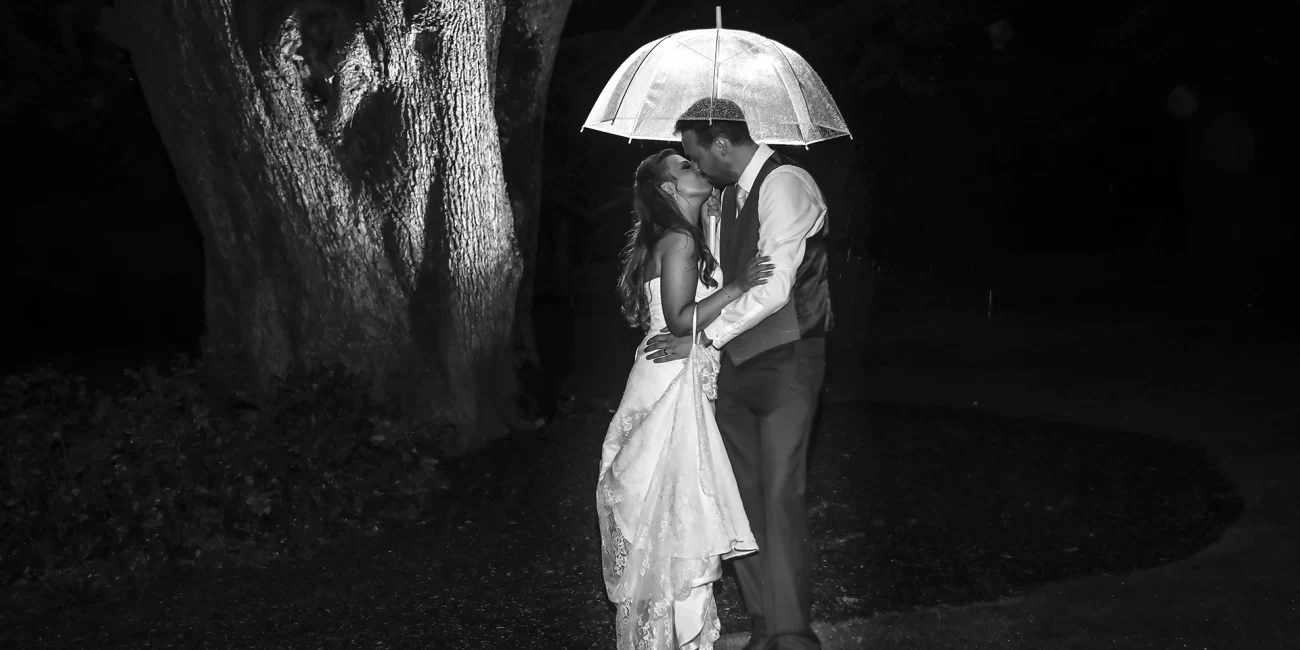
342,160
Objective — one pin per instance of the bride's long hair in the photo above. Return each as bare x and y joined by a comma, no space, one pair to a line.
654,213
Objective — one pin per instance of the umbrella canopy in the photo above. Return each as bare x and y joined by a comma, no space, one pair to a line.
782,98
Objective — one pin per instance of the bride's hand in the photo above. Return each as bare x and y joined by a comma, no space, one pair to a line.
713,205
756,272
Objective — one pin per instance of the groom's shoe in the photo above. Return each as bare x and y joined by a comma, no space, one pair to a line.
756,643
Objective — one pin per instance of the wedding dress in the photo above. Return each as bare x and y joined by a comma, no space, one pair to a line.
667,500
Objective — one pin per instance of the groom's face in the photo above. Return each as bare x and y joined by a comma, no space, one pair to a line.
707,159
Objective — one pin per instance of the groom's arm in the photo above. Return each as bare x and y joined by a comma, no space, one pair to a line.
790,209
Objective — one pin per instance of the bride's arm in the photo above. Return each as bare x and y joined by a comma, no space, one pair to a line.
678,277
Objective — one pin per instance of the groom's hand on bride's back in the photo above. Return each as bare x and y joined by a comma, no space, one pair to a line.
664,347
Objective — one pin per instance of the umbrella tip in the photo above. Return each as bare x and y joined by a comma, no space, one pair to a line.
717,12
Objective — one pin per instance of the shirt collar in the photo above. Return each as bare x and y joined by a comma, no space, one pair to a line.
755,165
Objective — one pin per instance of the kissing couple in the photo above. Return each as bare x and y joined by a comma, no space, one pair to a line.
706,457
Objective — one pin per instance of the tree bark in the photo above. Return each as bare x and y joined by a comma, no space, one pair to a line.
343,162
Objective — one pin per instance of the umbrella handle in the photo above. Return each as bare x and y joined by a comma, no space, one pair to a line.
718,13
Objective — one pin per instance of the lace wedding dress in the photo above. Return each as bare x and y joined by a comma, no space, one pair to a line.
667,499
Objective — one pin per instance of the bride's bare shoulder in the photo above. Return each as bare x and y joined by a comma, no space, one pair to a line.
674,243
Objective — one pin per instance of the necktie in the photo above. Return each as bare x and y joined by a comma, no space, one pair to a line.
729,206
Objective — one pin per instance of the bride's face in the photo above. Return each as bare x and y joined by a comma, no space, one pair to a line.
686,177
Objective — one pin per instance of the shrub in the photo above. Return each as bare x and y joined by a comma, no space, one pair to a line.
99,487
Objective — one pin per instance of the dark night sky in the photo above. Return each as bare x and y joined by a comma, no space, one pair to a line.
100,250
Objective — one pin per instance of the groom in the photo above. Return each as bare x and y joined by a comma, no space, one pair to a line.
773,359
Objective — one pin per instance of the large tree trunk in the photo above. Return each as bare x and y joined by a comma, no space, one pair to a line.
342,160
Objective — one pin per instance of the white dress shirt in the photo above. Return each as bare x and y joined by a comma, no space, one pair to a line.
790,209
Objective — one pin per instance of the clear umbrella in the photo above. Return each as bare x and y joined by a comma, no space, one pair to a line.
782,98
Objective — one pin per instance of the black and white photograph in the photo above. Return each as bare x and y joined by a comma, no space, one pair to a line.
647,325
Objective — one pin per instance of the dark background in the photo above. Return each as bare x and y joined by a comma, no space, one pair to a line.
1049,170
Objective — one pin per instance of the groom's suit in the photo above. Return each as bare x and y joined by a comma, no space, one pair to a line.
773,363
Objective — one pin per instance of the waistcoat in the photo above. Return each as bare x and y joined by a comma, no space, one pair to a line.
808,313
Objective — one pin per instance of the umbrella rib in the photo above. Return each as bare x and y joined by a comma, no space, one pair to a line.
802,96
640,63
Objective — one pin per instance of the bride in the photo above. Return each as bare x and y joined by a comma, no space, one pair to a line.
667,499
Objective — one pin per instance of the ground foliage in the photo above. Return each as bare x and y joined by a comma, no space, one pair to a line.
910,507
102,487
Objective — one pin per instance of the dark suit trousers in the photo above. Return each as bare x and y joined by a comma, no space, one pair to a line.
765,410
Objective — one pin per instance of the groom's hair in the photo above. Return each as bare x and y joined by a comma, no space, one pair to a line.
727,121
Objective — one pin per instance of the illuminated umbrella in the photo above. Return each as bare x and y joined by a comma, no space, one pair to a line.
782,98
